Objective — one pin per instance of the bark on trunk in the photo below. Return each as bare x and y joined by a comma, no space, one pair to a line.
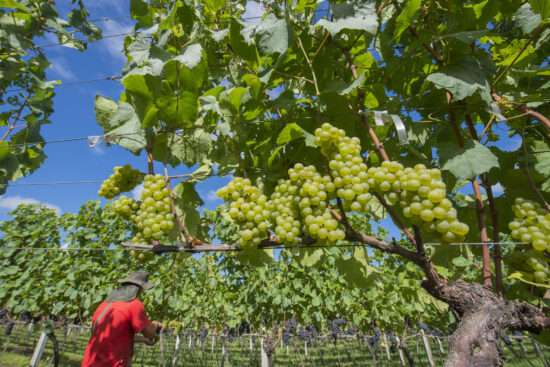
484,317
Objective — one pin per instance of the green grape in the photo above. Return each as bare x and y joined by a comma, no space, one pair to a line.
123,179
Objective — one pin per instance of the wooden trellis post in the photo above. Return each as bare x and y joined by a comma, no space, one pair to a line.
37,355
385,340
265,357
427,347
176,351
400,352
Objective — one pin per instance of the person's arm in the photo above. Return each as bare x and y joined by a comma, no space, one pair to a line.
150,330
142,339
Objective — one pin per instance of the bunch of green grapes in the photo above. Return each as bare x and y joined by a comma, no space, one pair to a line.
142,256
348,173
420,193
248,208
126,207
123,179
301,203
532,224
314,194
283,207
153,219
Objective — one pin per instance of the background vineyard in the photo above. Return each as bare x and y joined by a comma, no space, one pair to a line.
348,351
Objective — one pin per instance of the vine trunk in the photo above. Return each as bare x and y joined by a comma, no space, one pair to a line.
484,317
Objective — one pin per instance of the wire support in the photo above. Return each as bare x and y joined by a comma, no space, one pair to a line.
69,249
248,123
225,248
52,183
113,77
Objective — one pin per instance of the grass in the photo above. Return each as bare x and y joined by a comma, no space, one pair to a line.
349,352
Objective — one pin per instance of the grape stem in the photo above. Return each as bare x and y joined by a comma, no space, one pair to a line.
395,218
497,255
534,114
173,206
361,100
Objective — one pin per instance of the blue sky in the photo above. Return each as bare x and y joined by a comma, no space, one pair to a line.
74,117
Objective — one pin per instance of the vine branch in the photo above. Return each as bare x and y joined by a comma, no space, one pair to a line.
529,112
361,101
535,33
12,126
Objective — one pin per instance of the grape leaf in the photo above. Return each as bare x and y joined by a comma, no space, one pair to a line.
273,35
358,14
541,7
105,109
464,78
193,148
467,162
405,18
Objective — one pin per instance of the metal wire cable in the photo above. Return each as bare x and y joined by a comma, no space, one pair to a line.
113,77
182,25
237,249
70,249
51,183
248,123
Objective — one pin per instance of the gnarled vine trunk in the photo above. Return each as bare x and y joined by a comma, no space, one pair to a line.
484,318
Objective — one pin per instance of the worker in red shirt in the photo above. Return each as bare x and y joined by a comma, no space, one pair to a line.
117,321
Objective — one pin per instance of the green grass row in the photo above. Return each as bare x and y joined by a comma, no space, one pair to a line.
350,352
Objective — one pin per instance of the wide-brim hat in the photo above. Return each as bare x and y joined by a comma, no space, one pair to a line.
138,278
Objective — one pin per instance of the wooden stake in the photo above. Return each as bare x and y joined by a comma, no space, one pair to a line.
538,351
385,340
37,355
251,351
29,332
401,357
265,357
176,351
427,347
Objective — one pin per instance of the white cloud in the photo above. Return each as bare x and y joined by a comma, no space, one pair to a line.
253,10
136,192
113,45
211,196
497,189
108,8
60,68
11,202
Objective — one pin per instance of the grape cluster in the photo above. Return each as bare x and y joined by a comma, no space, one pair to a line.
532,224
420,193
122,179
347,169
125,206
284,211
248,208
314,193
153,218
301,204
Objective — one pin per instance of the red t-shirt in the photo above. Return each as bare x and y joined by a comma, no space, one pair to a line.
111,342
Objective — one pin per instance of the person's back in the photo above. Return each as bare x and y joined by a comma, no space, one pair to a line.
113,336
116,322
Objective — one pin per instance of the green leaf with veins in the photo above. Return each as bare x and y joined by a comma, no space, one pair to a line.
467,162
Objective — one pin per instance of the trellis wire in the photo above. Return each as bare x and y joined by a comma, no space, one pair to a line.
205,249
194,127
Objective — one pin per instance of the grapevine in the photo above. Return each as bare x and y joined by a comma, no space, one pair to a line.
123,179
532,225
301,203
151,216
